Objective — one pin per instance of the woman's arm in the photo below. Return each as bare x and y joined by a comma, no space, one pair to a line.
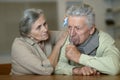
53,58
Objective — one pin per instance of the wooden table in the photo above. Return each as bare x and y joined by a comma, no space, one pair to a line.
59,77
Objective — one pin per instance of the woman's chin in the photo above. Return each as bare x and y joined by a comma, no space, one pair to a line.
46,38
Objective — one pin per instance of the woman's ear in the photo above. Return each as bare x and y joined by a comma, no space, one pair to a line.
30,35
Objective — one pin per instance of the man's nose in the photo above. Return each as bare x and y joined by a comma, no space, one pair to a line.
72,32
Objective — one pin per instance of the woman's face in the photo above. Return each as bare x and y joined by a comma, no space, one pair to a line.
39,29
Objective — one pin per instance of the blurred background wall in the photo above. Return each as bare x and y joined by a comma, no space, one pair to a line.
11,12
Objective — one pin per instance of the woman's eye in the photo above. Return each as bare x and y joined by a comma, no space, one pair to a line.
45,24
39,27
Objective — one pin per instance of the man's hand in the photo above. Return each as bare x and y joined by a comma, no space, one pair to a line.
85,71
72,53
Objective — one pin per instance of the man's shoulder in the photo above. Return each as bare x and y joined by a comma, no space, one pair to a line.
105,37
103,32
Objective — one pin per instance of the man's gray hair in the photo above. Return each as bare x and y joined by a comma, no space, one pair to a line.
83,10
29,17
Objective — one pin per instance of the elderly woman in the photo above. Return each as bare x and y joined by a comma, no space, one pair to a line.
33,52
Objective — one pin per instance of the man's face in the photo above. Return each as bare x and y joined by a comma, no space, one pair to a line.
78,29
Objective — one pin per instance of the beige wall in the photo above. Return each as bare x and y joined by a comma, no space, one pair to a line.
10,14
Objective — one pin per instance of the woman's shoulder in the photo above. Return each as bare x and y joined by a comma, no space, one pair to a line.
19,44
24,40
18,40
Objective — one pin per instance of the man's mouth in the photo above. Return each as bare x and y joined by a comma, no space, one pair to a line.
72,40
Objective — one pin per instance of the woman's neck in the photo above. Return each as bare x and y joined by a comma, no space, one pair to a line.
42,45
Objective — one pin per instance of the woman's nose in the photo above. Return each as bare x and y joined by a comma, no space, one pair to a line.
45,28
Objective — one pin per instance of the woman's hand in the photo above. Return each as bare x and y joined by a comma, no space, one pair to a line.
53,58
62,39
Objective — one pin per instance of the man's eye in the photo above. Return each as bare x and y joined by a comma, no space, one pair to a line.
78,28
69,27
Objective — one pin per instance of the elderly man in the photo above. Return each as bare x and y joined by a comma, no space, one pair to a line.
87,50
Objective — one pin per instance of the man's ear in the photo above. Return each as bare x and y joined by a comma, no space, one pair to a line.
92,30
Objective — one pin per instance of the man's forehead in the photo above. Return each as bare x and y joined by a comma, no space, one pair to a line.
78,17
77,20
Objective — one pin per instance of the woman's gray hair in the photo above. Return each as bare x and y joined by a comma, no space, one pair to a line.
29,17
83,10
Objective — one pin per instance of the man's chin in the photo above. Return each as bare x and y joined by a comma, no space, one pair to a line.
76,44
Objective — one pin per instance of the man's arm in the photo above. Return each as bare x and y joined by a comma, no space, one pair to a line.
107,59
63,66
73,54
109,63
